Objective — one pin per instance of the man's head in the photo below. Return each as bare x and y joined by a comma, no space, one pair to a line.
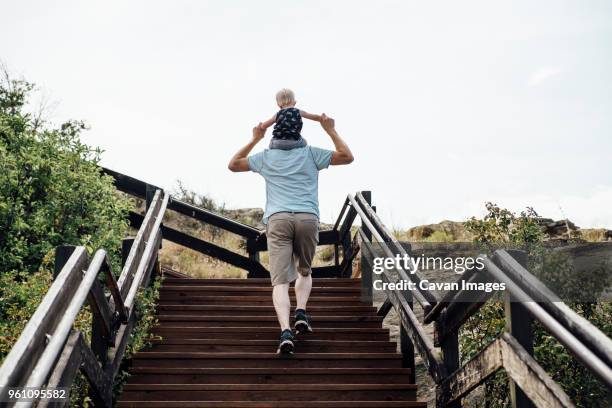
285,98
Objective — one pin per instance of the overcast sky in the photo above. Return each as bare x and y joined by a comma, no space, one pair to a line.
445,104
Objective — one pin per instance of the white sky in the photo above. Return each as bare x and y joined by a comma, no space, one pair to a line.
445,104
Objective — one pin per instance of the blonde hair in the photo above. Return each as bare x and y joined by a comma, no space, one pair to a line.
285,97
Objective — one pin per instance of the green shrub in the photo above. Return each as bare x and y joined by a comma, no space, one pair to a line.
52,193
503,227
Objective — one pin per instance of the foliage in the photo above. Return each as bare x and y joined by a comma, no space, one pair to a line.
52,193
500,225
439,236
503,227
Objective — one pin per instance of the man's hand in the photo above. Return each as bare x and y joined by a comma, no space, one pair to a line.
259,132
327,123
343,154
240,162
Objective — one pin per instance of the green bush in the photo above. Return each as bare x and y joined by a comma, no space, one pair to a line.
52,193
51,189
501,227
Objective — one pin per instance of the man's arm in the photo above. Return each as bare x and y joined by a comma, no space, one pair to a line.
310,116
240,162
342,154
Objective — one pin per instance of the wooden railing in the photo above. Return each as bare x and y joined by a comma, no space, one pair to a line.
50,352
526,300
255,239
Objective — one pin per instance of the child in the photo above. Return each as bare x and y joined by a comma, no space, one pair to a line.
287,122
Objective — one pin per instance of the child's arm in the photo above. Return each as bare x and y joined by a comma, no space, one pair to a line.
311,116
268,123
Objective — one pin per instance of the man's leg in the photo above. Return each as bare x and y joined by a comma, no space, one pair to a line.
282,305
304,247
303,286
280,231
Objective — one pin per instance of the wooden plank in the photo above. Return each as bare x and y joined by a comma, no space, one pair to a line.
100,310
582,352
470,375
402,273
100,382
448,298
115,354
386,240
57,340
116,301
341,214
347,263
127,184
65,369
430,356
20,361
211,249
580,327
149,252
454,317
450,356
385,308
530,376
213,219
138,247
519,323
367,276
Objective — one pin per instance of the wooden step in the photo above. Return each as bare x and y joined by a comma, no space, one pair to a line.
223,310
217,348
271,392
255,300
253,290
267,321
268,333
271,404
316,282
302,346
266,360
155,375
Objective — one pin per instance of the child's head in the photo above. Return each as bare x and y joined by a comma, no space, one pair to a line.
285,98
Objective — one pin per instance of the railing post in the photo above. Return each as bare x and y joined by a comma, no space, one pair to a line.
126,246
519,323
450,355
62,254
364,265
406,345
149,194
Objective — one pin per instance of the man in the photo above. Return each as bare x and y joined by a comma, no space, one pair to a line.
291,218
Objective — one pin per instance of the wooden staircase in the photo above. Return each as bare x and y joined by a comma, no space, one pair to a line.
218,349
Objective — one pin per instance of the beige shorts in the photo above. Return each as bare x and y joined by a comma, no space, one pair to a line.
292,241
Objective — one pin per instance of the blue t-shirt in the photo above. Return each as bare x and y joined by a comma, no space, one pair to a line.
292,178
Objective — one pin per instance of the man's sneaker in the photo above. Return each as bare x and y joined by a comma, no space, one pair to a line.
302,322
286,343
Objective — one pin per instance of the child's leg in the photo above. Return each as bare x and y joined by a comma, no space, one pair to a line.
287,144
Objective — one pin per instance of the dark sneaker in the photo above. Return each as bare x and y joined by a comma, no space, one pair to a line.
302,322
286,343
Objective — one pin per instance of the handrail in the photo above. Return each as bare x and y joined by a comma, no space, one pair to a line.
139,188
402,273
580,327
511,351
48,343
565,336
255,238
389,238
